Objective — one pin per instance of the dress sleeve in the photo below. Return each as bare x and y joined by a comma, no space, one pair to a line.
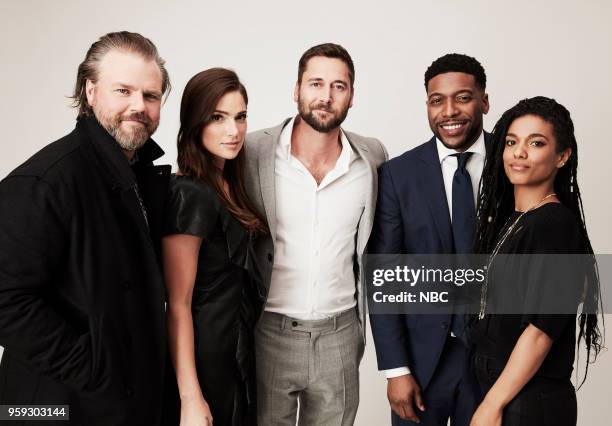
556,275
553,292
192,208
553,325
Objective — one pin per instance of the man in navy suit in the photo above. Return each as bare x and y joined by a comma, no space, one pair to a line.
426,205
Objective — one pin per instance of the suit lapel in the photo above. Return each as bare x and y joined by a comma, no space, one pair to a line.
266,160
488,140
370,202
431,178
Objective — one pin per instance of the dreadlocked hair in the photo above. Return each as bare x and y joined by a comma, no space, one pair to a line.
496,204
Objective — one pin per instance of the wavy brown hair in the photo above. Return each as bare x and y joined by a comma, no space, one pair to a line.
200,98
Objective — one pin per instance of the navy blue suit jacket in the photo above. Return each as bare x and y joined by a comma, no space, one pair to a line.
412,216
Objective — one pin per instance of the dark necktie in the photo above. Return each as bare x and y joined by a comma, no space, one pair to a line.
463,223
464,213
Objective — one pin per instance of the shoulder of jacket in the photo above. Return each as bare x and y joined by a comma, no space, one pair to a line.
60,155
373,145
267,133
415,153
256,135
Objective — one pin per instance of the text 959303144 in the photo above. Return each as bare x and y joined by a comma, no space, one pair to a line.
34,412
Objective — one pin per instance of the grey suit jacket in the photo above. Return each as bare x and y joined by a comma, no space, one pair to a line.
260,156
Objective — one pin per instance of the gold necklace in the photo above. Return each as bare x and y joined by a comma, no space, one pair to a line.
498,246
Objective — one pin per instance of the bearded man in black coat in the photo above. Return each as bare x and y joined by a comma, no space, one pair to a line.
81,292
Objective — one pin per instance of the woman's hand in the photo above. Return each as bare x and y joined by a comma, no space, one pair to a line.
195,413
526,358
487,414
180,255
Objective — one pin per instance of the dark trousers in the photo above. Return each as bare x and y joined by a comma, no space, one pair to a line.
542,401
453,392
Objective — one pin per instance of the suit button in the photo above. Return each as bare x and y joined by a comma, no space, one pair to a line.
444,325
294,323
127,285
129,392
270,257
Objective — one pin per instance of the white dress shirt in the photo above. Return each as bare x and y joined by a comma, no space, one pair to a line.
312,275
448,163
474,166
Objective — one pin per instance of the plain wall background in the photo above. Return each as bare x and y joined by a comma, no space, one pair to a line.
559,49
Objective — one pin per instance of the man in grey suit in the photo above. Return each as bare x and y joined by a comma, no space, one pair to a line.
316,184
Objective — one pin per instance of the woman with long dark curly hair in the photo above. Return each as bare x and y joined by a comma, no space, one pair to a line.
530,204
213,288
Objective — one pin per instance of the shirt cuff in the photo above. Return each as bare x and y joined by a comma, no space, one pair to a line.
396,372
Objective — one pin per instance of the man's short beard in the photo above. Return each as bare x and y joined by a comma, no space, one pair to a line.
322,127
129,141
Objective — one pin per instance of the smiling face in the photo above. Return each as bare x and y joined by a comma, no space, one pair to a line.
455,106
223,136
324,95
530,153
126,98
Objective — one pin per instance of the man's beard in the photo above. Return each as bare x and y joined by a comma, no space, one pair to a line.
321,126
132,139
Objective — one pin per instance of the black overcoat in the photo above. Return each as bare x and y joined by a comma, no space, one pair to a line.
81,293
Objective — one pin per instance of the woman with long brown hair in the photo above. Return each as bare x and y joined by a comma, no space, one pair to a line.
214,296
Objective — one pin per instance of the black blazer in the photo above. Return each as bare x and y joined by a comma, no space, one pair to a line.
81,294
412,216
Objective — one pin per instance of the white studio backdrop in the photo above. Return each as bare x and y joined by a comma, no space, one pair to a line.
559,49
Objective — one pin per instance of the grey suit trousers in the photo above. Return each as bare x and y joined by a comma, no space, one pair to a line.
314,362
